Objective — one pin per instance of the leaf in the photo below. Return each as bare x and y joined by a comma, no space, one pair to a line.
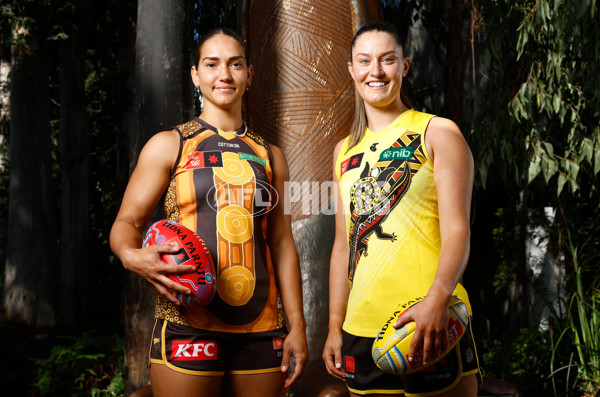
534,168
556,103
552,169
549,149
587,149
523,38
59,36
562,179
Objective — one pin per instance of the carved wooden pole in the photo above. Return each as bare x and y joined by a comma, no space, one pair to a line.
302,99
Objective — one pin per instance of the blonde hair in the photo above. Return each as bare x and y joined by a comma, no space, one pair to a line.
360,122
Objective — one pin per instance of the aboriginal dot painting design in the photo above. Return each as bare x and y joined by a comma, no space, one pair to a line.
235,186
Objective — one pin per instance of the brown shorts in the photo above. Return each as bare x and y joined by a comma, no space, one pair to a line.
364,377
198,352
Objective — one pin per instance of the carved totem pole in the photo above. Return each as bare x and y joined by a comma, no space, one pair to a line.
302,100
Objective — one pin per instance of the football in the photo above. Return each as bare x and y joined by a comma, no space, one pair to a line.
193,251
391,346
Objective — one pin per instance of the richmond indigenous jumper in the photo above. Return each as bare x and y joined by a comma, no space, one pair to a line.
390,203
221,189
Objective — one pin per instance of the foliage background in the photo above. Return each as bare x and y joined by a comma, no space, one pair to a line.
526,77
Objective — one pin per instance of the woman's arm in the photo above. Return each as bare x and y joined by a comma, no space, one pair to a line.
453,175
339,288
287,271
148,182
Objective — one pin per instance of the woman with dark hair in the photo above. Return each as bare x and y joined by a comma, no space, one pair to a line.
220,179
402,230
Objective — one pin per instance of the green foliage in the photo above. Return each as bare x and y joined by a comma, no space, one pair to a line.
87,365
581,328
520,358
553,129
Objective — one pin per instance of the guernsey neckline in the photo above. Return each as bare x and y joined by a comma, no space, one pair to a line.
240,132
369,132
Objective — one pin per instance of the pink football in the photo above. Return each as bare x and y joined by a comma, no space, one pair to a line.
193,252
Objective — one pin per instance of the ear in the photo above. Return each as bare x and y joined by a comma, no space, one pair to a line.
250,74
350,70
195,78
406,66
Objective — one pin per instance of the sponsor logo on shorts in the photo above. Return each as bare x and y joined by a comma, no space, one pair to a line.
349,363
186,350
470,355
437,377
278,342
351,163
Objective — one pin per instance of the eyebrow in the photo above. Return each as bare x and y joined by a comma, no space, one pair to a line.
384,54
218,59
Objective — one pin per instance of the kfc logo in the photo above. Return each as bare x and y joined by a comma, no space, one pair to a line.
185,350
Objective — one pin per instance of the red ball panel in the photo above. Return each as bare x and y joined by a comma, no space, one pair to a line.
193,251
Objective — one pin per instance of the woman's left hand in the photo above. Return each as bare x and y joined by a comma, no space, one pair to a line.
294,345
430,339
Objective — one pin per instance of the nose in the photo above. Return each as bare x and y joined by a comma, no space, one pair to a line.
224,73
376,69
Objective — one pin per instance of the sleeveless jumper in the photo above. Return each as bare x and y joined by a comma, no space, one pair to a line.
390,205
221,189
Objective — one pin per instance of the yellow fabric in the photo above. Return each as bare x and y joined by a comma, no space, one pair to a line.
390,204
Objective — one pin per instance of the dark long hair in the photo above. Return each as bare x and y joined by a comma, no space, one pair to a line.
215,32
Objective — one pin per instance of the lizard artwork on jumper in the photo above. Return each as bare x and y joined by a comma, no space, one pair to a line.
378,190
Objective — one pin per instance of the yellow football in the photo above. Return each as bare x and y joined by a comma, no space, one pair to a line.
391,346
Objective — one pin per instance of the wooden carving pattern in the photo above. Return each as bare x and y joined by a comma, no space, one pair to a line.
302,96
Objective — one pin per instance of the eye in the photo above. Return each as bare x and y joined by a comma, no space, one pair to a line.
236,65
389,60
210,65
363,61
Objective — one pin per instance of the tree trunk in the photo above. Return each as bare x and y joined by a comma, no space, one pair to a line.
163,98
456,61
31,278
302,99
74,150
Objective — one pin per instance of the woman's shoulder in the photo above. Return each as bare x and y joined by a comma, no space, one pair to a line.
443,133
164,139
162,146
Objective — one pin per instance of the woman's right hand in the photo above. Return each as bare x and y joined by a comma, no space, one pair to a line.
146,262
332,354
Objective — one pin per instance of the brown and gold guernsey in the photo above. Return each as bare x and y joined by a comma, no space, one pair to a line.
221,188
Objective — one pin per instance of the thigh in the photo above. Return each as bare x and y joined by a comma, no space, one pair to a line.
467,387
255,353
363,377
254,385
169,383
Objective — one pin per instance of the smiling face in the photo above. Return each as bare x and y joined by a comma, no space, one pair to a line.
377,68
222,73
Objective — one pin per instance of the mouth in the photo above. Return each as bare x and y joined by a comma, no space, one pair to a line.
377,84
225,88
